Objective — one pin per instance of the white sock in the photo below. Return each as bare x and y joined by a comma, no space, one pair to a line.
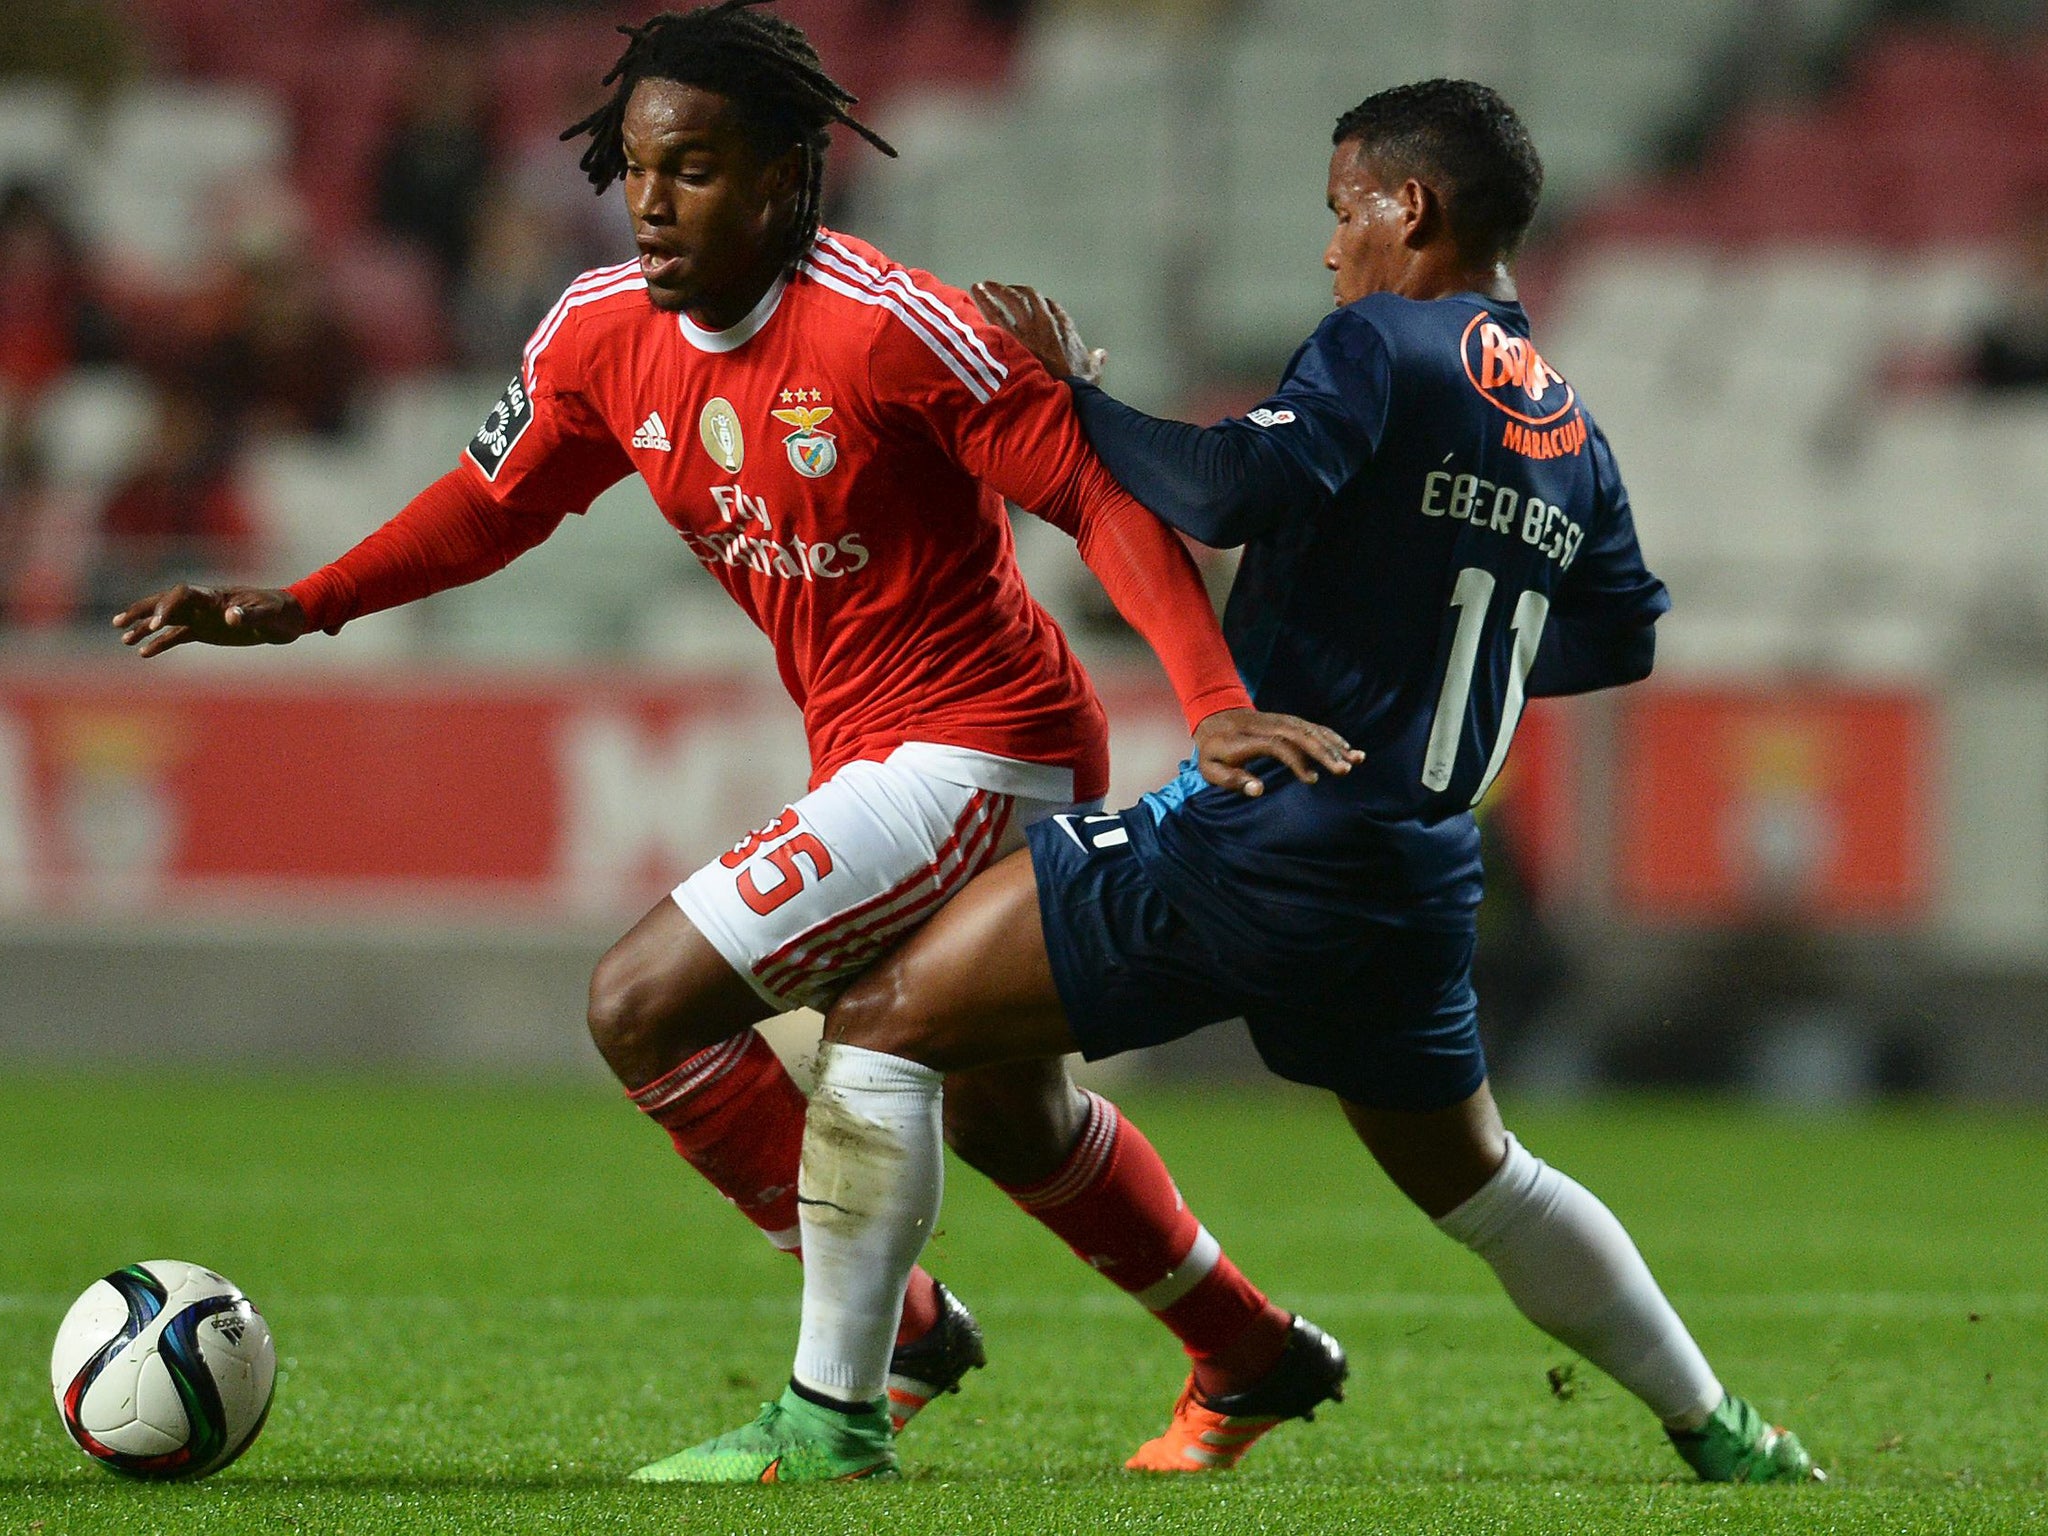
1572,1269
872,1176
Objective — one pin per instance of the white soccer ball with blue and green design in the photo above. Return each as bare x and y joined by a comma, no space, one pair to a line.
163,1370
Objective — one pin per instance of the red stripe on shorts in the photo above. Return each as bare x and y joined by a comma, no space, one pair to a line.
841,949
810,950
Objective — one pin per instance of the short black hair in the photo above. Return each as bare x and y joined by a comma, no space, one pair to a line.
1463,139
763,65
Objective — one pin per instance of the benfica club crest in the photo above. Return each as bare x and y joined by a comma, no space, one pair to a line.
811,453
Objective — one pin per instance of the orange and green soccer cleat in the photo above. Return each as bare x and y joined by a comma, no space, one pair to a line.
1212,1435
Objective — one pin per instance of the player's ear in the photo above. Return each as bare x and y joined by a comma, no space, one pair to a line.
783,177
1423,218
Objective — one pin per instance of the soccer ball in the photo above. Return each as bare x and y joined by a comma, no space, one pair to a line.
163,1370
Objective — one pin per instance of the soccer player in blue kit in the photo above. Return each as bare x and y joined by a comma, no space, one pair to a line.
1434,531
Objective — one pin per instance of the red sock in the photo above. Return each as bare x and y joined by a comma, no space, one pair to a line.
737,1117
1114,1204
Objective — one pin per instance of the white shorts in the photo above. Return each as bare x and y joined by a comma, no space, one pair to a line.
804,905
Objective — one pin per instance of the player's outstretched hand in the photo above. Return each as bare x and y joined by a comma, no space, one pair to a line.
1230,739
1046,330
211,616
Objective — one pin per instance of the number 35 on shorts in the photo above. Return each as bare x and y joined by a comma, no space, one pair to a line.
772,854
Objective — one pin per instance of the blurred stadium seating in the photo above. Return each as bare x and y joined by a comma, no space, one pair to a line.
1160,168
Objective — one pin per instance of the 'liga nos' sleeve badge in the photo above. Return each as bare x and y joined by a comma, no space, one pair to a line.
506,424
812,453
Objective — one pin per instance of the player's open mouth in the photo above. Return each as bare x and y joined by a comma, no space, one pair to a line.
658,268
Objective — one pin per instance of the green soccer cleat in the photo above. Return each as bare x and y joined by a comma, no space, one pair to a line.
1737,1445
793,1441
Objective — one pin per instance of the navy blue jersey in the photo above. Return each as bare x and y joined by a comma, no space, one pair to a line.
1434,531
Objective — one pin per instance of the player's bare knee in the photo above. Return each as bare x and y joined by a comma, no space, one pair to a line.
876,1014
605,1012
875,1023
623,1015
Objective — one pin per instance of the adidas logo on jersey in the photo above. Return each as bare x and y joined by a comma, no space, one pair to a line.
652,434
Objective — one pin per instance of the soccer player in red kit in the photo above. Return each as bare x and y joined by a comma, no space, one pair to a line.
833,436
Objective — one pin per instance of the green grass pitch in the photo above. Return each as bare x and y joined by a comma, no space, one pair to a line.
491,1301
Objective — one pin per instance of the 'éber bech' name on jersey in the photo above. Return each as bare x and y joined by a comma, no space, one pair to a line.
1543,421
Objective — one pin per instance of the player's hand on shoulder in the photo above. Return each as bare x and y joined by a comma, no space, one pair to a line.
211,616
1044,329
1227,742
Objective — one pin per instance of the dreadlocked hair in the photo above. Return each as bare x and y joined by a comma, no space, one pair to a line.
763,65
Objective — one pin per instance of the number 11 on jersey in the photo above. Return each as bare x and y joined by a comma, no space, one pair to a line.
1473,597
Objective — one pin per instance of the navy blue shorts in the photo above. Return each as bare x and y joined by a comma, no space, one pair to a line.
1387,1020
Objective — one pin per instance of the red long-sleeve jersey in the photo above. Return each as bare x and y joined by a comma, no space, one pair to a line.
838,460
